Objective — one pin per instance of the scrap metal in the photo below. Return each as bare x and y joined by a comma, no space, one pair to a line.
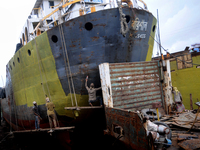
132,134
190,144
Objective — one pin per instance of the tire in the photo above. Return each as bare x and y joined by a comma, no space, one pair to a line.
169,136
148,113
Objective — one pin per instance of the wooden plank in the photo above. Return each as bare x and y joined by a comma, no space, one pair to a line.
45,129
186,137
179,59
180,65
188,64
189,57
185,58
79,108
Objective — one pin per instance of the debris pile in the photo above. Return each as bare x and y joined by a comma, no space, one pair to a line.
185,130
159,131
174,131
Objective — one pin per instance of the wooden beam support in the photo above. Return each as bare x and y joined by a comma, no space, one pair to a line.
45,130
79,108
191,102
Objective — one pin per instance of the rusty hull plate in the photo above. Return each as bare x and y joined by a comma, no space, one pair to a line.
134,134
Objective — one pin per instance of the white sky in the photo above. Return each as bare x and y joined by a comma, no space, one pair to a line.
179,25
13,16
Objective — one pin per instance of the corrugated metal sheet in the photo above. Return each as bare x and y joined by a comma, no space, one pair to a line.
134,86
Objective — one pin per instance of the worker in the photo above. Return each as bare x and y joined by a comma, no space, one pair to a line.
92,93
47,98
50,112
178,100
37,116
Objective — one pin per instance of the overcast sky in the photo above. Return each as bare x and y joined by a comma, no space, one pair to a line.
179,22
179,25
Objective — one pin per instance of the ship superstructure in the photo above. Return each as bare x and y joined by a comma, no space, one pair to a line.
44,8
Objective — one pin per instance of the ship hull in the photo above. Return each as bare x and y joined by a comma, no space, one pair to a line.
41,67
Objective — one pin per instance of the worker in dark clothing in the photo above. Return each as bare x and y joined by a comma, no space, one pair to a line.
92,93
36,115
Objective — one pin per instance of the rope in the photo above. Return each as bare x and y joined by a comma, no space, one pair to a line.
170,53
123,23
66,68
38,56
159,44
40,74
68,64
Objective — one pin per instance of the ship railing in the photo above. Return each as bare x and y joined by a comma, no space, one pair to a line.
144,5
53,12
81,12
88,7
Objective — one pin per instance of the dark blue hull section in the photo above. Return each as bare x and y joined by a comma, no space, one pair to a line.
103,43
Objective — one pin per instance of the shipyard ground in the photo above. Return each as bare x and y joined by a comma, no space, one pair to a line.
9,142
42,140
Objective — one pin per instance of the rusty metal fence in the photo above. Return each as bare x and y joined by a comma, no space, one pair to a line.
132,86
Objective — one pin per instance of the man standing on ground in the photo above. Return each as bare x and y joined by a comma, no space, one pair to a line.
92,93
178,100
50,112
37,115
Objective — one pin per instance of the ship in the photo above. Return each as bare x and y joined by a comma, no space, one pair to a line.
63,42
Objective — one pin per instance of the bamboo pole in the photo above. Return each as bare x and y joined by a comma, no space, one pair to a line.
191,102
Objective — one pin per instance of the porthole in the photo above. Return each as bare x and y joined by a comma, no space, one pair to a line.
18,59
54,38
128,18
154,27
29,52
88,26
172,70
13,63
197,66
